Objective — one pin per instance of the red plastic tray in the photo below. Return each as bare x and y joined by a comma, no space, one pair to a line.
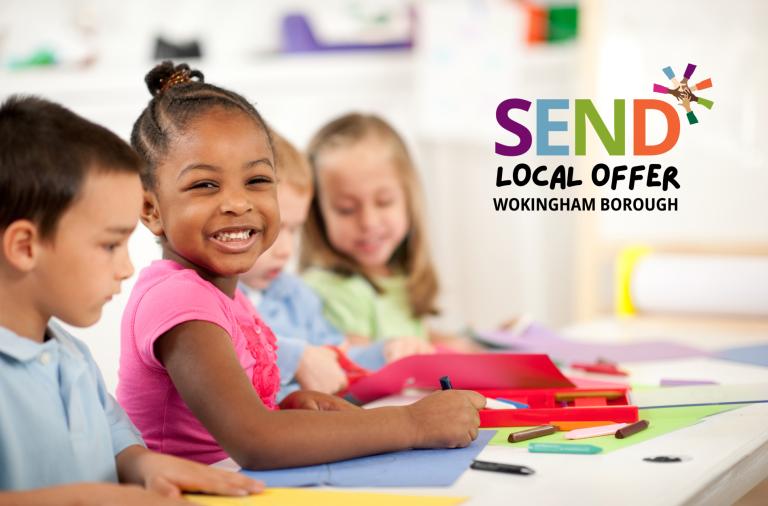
545,408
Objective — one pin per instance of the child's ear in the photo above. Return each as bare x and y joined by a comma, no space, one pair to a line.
21,245
150,214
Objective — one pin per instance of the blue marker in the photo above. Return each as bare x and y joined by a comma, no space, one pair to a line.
445,383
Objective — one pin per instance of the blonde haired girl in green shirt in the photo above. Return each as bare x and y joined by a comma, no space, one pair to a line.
364,244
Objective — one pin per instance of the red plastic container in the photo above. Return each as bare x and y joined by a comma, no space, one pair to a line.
586,405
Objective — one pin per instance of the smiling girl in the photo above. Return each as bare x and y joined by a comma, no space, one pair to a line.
197,370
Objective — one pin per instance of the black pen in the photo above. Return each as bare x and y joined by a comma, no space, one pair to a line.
482,465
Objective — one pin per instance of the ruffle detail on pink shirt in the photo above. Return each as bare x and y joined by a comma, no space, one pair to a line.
262,345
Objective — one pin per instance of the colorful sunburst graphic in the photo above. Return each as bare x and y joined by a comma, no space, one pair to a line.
684,92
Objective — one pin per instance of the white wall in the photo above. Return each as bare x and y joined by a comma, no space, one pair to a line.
443,97
722,159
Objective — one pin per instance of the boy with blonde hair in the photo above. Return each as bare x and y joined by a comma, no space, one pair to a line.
305,338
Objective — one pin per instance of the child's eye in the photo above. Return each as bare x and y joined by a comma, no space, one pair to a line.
345,211
259,180
203,184
385,203
111,247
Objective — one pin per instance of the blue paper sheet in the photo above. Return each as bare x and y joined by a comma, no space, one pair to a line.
757,355
409,468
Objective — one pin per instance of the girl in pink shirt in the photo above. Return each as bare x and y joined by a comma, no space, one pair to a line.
198,372
166,295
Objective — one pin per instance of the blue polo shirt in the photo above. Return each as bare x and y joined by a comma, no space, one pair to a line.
58,424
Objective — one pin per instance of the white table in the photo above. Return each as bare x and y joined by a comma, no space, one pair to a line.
728,452
728,457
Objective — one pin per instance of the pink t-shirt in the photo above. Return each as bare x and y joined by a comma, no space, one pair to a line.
166,295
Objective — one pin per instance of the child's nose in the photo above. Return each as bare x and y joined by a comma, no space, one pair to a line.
236,203
367,217
125,267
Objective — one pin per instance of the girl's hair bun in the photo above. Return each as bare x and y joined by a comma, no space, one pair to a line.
166,75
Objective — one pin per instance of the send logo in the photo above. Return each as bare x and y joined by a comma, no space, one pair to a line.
586,115
684,93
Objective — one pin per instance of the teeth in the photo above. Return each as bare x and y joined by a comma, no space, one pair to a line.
233,236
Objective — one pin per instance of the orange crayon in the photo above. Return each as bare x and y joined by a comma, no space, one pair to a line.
565,426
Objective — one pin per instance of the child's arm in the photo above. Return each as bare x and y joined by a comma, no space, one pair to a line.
87,494
204,368
170,476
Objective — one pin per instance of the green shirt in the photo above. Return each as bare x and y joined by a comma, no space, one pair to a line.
352,305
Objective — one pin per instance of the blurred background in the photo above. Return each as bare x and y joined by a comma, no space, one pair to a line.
437,69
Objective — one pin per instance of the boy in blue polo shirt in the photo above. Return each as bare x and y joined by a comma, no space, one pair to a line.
70,197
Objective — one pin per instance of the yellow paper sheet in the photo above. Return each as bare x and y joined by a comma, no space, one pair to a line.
315,497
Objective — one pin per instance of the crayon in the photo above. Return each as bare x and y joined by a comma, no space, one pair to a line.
525,435
569,396
605,430
632,429
564,448
565,426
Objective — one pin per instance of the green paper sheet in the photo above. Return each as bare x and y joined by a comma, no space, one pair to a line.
662,421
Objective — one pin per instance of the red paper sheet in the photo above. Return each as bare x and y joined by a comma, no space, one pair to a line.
466,371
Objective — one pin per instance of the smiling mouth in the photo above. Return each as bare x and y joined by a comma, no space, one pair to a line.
234,236
235,240
370,245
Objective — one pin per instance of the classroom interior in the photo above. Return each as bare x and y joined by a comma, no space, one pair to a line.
696,277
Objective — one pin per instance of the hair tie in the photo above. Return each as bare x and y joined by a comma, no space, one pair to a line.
182,75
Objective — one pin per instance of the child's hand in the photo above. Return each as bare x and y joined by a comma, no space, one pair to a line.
401,347
306,399
447,419
170,476
319,370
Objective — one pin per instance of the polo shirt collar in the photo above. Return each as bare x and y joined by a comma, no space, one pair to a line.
17,347
24,349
